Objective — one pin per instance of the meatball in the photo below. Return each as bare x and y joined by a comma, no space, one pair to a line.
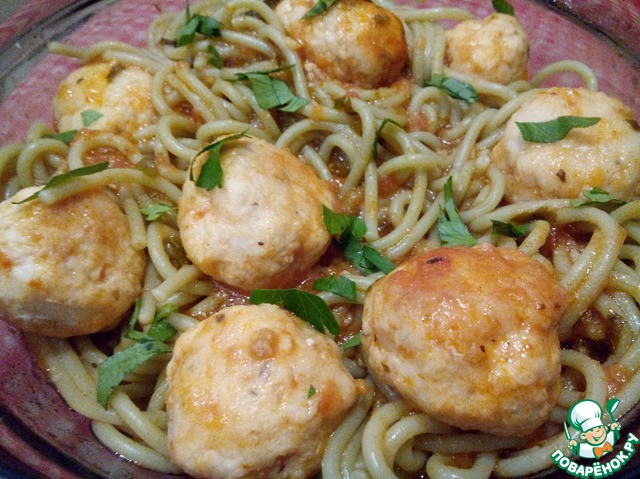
264,227
68,268
255,392
468,335
121,94
495,48
354,41
605,155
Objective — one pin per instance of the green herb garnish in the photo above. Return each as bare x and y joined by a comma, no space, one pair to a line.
509,229
211,172
311,392
338,285
319,8
65,136
454,88
351,230
597,197
352,342
272,92
374,148
451,229
116,368
553,130
216,58
156,210
307,306
202,24
502,6
64,177
89,117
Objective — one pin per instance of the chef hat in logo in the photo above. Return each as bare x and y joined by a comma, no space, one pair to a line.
585,415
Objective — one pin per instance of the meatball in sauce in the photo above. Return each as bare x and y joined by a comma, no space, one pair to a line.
468,335
255,392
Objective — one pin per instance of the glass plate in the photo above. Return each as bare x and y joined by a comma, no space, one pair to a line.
40,437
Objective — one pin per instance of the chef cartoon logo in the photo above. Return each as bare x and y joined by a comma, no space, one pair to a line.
592,442
595,438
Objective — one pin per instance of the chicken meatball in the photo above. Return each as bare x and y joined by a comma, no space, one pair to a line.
468,335
605,155
119,94
495,48
354,41
255,392
264,227
68,268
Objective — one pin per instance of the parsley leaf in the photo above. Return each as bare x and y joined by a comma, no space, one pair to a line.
156,210
597,196
338,285
202,24
454,88
351,230
352,342
503,6
553,130
451,230
64,177
319,8
216,58
65,136
113,370
272,92
337,223
509,229
307,306
90,116
160,329
374,148
311,392
211,172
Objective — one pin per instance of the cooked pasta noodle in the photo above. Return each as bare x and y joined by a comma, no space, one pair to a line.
399,194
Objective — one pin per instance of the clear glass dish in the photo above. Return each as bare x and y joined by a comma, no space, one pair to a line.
39,435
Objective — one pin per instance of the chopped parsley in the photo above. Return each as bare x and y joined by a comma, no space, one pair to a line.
64,177
156,210
319,8
597,197
338,285
509,229
89,117
307,306
272,92
457,89
451,229
311,392
502,6
211,173
350,230
196,23
353,341
553,130
374,148
114,369
64,136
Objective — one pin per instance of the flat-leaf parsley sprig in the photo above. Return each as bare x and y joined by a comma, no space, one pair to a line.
350,231
147,345
211,173
272,92
451,229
